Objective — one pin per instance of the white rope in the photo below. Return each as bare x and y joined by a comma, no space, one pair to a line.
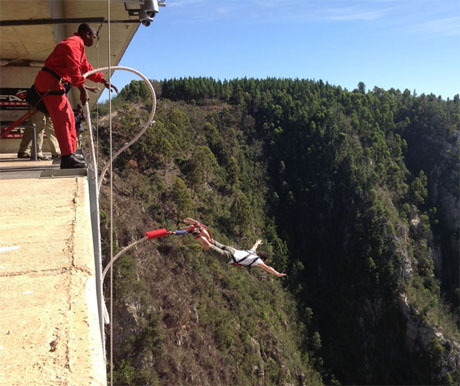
97,104
125,249
149,122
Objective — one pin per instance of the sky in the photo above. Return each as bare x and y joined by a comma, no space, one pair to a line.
401,44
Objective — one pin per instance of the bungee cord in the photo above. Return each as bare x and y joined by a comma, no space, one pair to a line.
148,123
109,165
154,234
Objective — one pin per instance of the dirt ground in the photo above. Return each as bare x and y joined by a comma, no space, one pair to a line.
49,326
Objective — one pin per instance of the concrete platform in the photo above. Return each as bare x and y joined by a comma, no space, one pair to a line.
49,324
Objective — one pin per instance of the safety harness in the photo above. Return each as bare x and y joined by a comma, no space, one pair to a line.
35,98
237,263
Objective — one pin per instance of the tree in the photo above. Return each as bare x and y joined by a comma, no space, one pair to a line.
182,199
241,213
201,166
418,189
233,172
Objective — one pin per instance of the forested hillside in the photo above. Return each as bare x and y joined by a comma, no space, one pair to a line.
356,195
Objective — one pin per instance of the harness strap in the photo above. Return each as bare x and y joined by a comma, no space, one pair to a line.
238,262
66,85
52,73
59,92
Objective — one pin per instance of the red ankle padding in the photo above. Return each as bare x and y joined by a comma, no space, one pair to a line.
156,234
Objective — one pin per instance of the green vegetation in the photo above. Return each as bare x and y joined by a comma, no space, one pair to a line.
353,193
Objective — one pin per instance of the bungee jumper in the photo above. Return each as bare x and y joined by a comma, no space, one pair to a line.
201,232
230,255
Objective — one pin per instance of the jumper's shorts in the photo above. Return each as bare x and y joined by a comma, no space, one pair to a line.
222,252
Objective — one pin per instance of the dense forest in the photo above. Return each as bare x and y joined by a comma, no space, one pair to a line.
356,196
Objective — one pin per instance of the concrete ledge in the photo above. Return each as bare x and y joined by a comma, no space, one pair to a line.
49,173
12,167
49,325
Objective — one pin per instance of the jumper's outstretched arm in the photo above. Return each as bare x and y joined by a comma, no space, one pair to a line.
256,244
271,270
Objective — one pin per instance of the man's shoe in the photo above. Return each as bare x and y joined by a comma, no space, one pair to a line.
43,157
56,156
71,162
23,155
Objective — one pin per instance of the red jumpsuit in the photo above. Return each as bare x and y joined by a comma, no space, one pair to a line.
68,60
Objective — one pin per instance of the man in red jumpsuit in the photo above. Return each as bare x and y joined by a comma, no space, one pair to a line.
64,68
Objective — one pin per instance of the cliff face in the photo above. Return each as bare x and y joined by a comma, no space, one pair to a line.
435,344
354,194
444,187
433,141
435,149
421,338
